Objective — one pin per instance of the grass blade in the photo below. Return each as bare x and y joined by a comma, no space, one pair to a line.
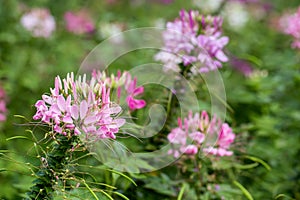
244,190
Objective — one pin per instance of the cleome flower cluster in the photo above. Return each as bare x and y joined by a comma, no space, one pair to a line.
39,22
290,25
79,23
199,132
193,42
76,106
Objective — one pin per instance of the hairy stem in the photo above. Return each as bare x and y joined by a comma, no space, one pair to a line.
52,168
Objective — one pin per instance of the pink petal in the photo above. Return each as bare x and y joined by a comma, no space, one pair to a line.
76,131
83,109
61,103
57,128
191,150
198,137
2,117
221,56
223,41
67,119
135,103
74,112
115,109
138,91
119,122
90,120
47,99
55,109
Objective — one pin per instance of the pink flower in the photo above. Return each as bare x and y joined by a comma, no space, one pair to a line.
124,81
226,136
195,41
39,22
190,149
198,137
79,23
198,131
290,25
177,136
133,91
3,109
80,106
242,66
217,151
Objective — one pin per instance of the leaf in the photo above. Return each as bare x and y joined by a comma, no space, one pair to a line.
107,195
121,174
253,59
161,184
283,196
180,195
244,190
17,137
248,166
255,159
3,170
90,190
121,195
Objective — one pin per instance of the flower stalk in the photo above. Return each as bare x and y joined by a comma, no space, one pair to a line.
53,167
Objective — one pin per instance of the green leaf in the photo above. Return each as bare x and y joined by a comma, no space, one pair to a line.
121,174
3,170
17,137
255,159
244,190
180,195
253,59
248,166
283,196
161,184
91,191
106,194
121,195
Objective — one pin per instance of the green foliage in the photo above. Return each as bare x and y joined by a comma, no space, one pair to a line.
264,108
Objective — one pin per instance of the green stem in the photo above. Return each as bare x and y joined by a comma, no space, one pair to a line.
169,103
52,168
199,178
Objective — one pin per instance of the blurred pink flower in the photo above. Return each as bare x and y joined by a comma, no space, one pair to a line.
3,109
79,23
177,136
132,91
290,25
242,66
163,1
194,41
166,1
198,131
39,22
190,149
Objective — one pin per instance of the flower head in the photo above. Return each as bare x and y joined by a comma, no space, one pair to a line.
242,66
80,106
124,82
199,132
193,42
39,22
79,23
290,25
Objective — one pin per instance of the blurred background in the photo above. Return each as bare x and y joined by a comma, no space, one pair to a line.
262,80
